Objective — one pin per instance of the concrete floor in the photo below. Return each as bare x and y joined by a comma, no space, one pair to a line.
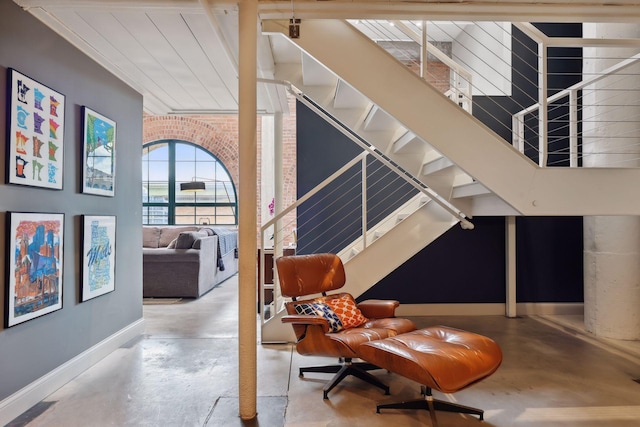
183,372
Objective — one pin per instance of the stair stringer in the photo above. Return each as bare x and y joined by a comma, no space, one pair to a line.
274,331
382,227
395,247
460,137
417,228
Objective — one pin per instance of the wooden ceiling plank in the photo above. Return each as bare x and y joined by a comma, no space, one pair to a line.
101,48
210,86
214,53
148,48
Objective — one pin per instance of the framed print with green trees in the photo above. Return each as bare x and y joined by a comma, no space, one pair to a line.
99,154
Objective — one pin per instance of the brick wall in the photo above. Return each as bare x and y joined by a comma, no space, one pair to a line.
438,74
219,135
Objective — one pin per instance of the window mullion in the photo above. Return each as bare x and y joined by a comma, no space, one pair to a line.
196,209
172,183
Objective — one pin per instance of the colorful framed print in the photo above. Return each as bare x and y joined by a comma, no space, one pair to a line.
34,265
98,255
99,154
35,148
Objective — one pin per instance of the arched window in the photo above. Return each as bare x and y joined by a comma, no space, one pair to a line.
166,165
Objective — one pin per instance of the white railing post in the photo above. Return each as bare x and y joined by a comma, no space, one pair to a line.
457,70
423,51
455,84
542,100
364,202
573,128
517,137
469,94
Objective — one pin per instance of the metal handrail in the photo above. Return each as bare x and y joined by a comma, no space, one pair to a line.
368,149
518,126
584,83
458,69
384,160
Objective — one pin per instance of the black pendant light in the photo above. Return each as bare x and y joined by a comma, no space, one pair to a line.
192,186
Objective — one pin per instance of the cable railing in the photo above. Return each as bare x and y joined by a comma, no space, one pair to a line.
339,212
556,98
356,200
578,107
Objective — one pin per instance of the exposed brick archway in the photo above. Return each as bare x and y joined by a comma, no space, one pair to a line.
218,134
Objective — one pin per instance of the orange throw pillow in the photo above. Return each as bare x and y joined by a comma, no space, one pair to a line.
346,309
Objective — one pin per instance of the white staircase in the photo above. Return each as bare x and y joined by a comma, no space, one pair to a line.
389,135
402,235
432,138
429,126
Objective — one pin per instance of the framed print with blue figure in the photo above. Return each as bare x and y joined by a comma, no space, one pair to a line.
34,257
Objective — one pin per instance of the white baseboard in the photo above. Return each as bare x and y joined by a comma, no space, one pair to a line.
488,309
565,308
19,402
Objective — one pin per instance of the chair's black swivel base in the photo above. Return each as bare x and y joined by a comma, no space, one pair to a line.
432,405
357,369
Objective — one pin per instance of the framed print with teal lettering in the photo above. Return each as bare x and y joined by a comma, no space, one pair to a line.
98,255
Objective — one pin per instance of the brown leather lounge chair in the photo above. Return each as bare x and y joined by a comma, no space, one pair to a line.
333,325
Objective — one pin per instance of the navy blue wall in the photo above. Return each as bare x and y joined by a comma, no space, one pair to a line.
323,150
464,266
460,266
550,259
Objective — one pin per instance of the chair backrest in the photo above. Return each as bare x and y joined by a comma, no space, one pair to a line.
301,275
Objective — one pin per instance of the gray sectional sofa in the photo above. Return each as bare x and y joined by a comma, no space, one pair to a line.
187,261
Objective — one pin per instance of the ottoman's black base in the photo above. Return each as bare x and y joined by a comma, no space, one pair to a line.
430,404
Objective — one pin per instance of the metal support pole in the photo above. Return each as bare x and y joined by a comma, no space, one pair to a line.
510,243
247,209
423,51
278,180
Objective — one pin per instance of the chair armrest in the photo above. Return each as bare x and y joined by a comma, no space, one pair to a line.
378,309
306,320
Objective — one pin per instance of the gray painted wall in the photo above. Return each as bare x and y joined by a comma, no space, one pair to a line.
32,349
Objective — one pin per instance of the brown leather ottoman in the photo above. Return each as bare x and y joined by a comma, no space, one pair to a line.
439,357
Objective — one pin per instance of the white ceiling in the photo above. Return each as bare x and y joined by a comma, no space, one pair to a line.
181,55
182,59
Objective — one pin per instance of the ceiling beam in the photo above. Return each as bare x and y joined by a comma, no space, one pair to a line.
470,10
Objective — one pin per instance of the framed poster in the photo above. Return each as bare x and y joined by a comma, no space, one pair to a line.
99,153
35,126
34,265
98,255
